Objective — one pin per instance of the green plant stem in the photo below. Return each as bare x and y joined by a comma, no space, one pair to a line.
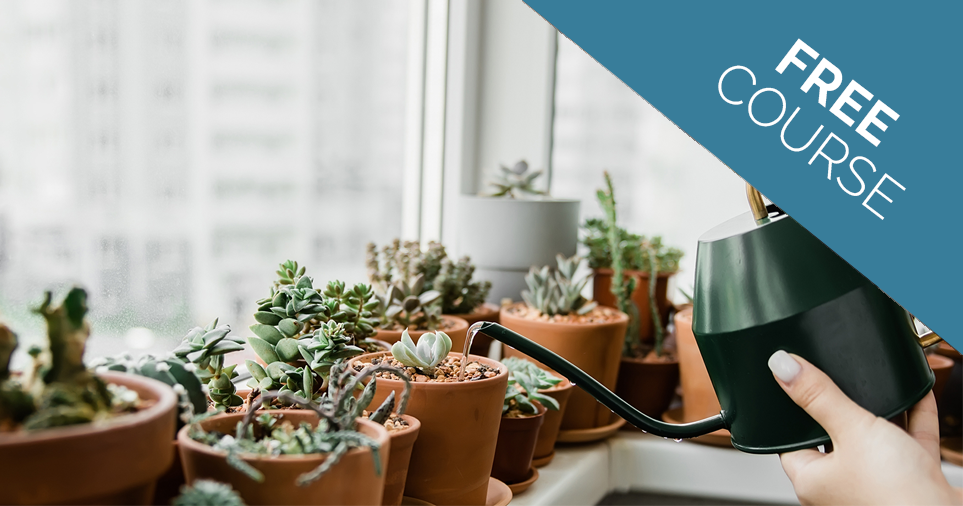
620,287
653,304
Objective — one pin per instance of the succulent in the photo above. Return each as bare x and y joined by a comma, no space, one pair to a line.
205,348
635,250
516,181
559,291
403,276
64,392
208,493
408,305
459,294
334,434
525,381
431,350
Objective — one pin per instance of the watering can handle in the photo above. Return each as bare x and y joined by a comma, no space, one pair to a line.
597,390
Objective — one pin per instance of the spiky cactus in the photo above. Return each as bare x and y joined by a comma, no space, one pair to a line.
559,291
516,181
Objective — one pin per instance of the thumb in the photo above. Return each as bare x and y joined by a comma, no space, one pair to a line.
816,393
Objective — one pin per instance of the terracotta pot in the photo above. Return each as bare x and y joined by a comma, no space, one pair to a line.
648,383
595,348
169,484
516,447
698,396
948,351
452,459
351,481
457,331
481,343
402,442
115,462
942,368
602,293
547,435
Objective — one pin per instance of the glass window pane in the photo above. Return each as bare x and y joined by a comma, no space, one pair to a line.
666,183
167,155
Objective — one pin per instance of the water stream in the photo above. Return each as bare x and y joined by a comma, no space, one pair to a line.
475,327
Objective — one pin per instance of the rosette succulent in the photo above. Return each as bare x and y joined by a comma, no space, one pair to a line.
559,291
431,350
516,181
525,380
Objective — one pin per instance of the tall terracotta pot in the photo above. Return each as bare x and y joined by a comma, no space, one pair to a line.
698,396
402,442
352,480
516,446
548,434
942,368
452,458
648,383
114,462
480,345
595,348
602,293
456,330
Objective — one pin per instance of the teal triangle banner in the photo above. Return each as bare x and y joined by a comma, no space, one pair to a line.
847,115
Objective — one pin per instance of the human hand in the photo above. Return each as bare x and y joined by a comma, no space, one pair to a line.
873,461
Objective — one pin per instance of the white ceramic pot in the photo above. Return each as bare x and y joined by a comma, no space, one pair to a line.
505,237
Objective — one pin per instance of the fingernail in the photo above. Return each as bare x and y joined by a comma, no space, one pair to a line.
784,366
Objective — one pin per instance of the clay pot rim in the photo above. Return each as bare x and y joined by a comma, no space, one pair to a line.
622,318
940,359
486,308
460,324
630,272
503,371
186,442
414,424
566,384
163,395
541,413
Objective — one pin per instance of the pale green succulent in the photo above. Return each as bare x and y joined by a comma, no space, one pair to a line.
516,181
531,379
208,493
206,348
431,350
406,306
559,291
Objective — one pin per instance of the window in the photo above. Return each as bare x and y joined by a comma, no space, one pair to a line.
167,155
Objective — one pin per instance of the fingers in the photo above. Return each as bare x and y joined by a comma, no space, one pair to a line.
794,462
816,393
924,425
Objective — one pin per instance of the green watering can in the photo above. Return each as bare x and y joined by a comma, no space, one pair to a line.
763,283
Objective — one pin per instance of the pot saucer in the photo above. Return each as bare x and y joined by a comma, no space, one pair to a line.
411,501
542,462
721,437
951,449
518,488
593,434
499,494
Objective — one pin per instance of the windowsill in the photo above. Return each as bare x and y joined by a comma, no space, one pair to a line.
583,474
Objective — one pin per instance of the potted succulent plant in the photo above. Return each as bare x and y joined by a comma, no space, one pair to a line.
326,453
207,493
452,459
636,263
459,293
548,385
514,226
557,316
523,415
60,419
648,375
412,298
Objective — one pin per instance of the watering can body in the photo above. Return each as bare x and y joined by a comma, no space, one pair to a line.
764,283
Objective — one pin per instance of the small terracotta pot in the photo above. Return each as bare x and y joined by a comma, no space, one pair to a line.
484,313
648,384
452,459
114,462
948,351
698,396
602,293
402,442
595,348
351,481
516,446
942,368
457,330
548,434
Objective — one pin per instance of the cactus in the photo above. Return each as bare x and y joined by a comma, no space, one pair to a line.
208,493
431,350
558,292
205,348
635,250
516,182
525,380
334,435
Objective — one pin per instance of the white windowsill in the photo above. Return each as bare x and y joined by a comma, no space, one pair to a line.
584,474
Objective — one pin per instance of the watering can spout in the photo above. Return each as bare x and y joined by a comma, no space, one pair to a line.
597,390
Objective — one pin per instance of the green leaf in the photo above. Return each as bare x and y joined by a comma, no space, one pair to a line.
226,347
289,327
263,349
267,333
267,318
265,384
287,349
255,369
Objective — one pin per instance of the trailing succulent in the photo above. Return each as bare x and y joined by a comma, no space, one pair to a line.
265,433
431,350
525,380
63,391
302,331
558,292
401,263
516,181
208,493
